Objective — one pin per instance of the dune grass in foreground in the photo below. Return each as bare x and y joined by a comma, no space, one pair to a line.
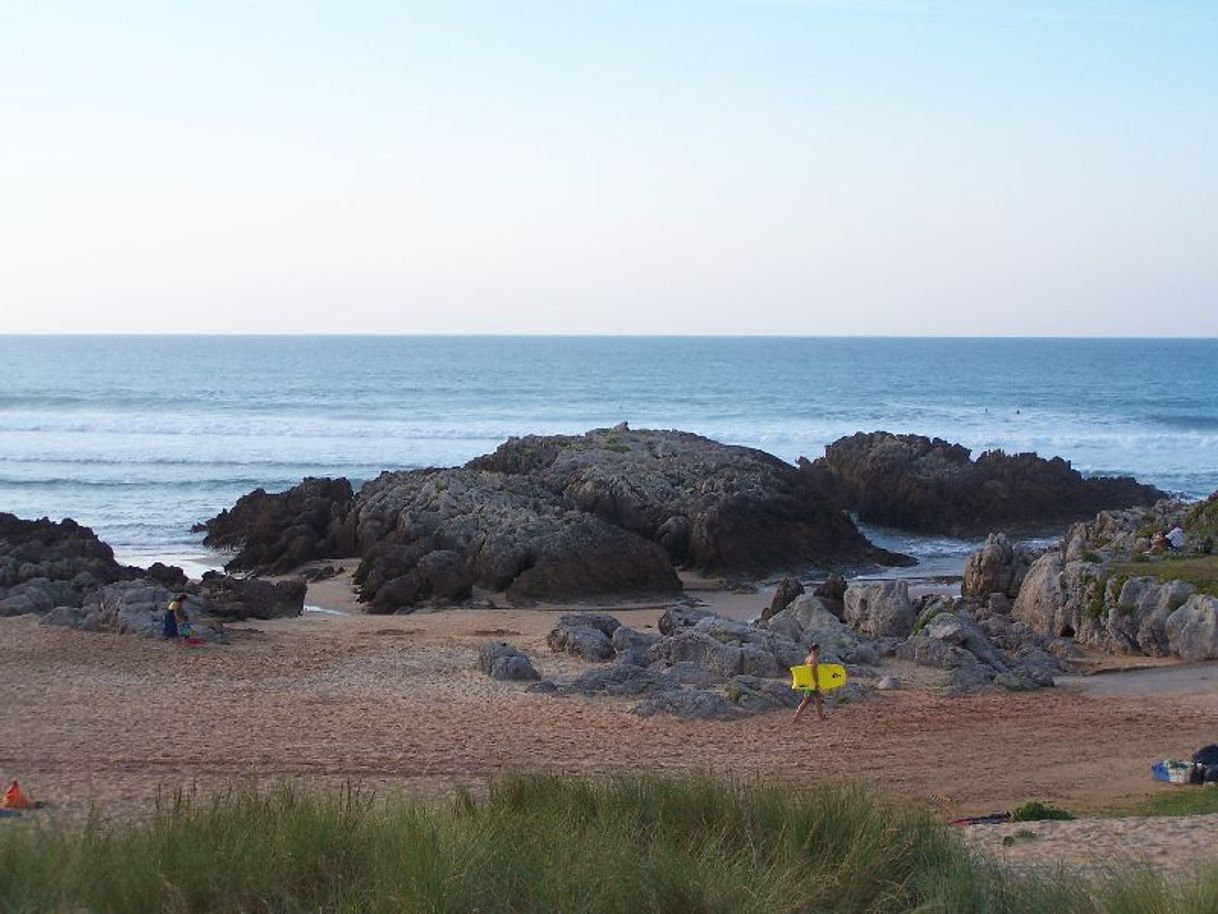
541,843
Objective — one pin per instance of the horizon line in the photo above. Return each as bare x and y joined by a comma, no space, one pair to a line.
152,334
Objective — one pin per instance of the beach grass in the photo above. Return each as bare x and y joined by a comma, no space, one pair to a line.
541,843
1185,800
1199,570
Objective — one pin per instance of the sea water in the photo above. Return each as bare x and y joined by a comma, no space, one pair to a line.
141,437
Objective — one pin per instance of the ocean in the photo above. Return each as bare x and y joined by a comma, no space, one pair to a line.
141,437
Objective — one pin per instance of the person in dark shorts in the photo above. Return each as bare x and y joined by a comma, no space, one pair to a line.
174,611
812,694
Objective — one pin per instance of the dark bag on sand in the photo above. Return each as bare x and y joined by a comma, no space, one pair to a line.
1207,756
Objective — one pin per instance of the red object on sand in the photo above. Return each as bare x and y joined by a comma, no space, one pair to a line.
15,798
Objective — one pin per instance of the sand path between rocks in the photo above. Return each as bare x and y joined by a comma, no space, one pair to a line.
110,721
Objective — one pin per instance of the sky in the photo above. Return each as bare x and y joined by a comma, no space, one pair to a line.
835,167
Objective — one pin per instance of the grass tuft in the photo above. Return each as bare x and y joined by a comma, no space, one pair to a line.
541,843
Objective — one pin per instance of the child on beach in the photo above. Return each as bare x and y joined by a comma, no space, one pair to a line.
183,619
169,625
176,625
812,660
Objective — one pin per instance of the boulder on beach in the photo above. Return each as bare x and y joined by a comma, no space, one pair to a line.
881,609
931,485
999,566
504,662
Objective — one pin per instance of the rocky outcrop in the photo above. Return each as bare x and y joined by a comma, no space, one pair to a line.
786,590
136,608
498,532
65,574
928,484
998,567
44,564
717,508
1192,630
277,533
608,514
1104,588
952,640
880,610
232,599
808,620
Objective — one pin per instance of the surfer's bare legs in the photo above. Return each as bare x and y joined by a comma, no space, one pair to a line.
820,706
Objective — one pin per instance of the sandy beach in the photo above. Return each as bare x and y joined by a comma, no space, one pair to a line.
110,722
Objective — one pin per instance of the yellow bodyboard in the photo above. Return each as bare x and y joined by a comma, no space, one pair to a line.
829,676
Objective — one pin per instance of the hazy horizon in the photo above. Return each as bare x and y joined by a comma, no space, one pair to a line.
934,168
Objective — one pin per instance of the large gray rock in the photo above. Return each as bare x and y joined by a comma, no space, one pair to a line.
880,610
755,694
580,640
621,680
1143,606
809,620
999,566
630,646
502,661
1192,630
675,618
1041,602
135,607
730,631
958,629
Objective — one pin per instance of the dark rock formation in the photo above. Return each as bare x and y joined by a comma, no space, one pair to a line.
499,532
606,514
786,591
232,599
276,533
927,484
44,564
714,507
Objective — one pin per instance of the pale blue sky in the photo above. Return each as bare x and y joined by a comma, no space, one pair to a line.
721,166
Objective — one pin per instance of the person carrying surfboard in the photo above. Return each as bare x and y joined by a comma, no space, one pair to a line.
812,660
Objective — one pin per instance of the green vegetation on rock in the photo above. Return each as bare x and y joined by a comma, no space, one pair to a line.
1202,520
1199,570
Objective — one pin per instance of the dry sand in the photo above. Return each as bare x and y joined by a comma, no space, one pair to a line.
396,701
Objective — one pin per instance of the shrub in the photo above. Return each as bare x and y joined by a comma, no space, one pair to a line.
1037,812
